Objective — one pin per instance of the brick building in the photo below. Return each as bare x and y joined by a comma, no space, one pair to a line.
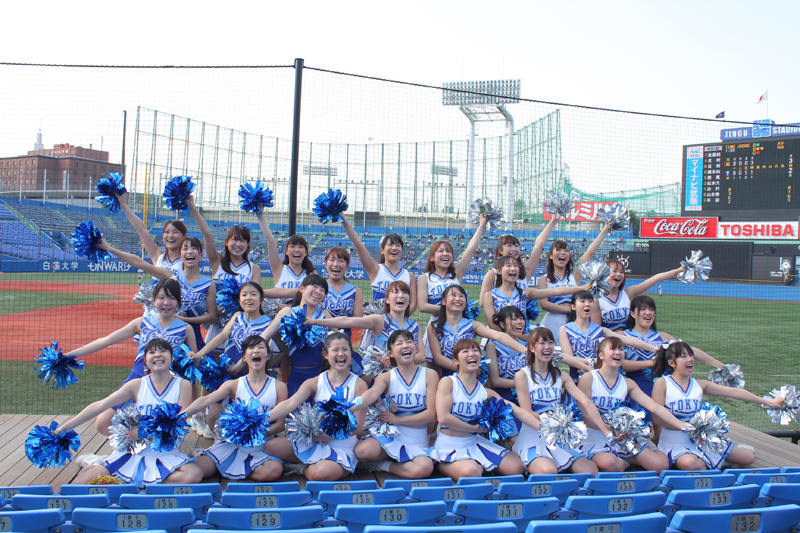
68,167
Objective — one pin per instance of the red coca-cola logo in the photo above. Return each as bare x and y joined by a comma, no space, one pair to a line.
679,227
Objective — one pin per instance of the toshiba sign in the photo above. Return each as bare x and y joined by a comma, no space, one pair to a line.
679,227
758,230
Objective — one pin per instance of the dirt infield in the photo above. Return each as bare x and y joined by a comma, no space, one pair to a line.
25,333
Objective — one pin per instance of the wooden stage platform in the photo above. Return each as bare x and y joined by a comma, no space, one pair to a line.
15,469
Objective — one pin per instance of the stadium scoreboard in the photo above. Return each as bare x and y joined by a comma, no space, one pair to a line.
752,179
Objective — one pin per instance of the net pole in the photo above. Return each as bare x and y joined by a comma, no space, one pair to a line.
298,86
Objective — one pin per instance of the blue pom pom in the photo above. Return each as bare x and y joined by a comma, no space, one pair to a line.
483,375
184,366
497,417
242,424
86,240
57,366
109,187
213,374
339,422
165,425
177,191
532,310
473,310
296,334
45,449
328,206
573,408
253,197
228,295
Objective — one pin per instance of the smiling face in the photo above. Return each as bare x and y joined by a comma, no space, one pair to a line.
296,252
172,239
510,248
454,300
543,350
617,276
443,256
250,299
560,256
166,304
336,266
256,356
338,355
392,250
515,325
403,350
683,363
237,246
468,359
398,299
190,253
644,316
158,358
612,354
509,270
313,294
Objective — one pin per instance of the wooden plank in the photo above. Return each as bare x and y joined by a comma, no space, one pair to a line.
13,452
30,475
19,424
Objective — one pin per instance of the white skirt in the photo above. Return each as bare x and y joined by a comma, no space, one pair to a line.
145,467
338,451
596,443
529,446
448,449
409,444
237,462
553,322
677,443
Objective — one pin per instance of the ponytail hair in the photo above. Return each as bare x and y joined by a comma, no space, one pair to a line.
311,279
541,334
669,352
307,265
502,261
641,301
580,295
614,342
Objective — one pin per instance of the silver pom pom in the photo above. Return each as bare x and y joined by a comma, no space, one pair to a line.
485,207
629,428
558,355
125,419
728,376
375,307
558,428
303,425
590,361
697,268
271,306
709,426
596,273
372,361
559,204
144,296
374,425
791,405
615,213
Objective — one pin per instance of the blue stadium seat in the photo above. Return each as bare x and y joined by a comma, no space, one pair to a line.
102,520
604,506
782,519
256,519
671,483
428,514
646,523
773,494
32,502
408,484
113,491
339,529
261,488
8,492
518,512
330,499
736,497
777,477
559,477
739,471
245,500
621,486
199,502
790,469
626,475
449,495
493,480
31,521
194,488
499,527
541,489
314,487
665,473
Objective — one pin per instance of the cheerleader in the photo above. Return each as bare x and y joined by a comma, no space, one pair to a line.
452,326
386,269
326,459
305,362
560,273
614,308
240,462
504,362
344,299
608,388
147,393
295,266
459,450
413,389
198,304
508,245
682,395
165,324
539,387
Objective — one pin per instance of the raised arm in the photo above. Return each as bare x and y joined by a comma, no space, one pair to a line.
469,251
379,385
535,293
635,290
137,262
208,239
538,247
367,261
701,355
275,262
593,247
136,223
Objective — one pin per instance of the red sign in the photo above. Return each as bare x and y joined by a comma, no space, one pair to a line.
582,211
679,227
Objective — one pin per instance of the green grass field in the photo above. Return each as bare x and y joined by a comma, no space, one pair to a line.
758,335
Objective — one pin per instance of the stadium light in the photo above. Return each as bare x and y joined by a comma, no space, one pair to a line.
481,93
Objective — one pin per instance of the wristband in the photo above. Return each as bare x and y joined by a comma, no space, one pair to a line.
357,401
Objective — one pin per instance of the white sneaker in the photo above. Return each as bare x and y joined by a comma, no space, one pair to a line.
90,459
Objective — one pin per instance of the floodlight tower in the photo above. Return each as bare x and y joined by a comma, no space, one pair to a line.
483,101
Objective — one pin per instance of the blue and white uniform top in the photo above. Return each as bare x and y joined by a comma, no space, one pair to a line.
521,283
385,278
509,362
614,314
340,303
466,404
149,398
390,325
193,295
267,396
242,272
411,398
584,345
290,280
567,281
325,388
437,285
683,404
450,336
241,329
606,398
544,394
163,261
501,299
174,334
637,354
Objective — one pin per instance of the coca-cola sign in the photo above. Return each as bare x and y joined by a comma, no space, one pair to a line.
679,227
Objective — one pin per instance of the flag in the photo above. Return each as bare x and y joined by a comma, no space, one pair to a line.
720,115
763,97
